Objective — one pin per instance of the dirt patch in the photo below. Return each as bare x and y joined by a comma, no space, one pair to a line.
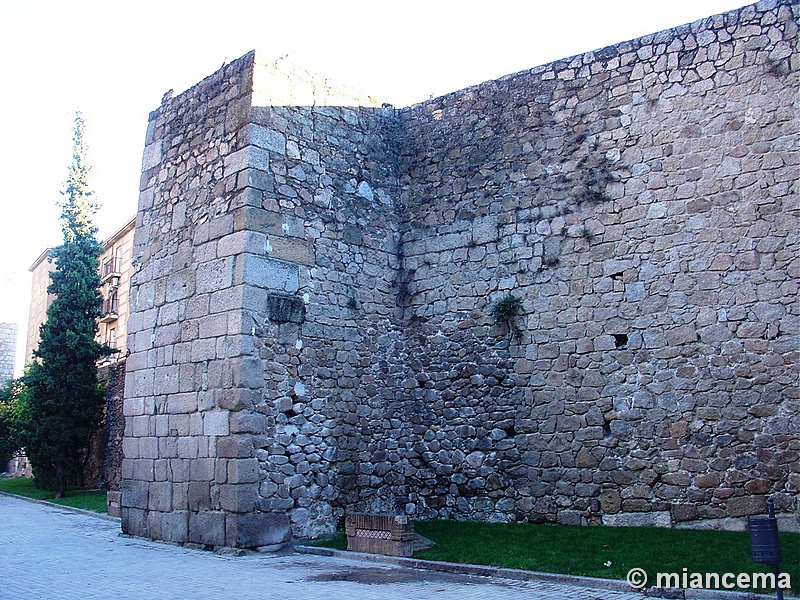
382,575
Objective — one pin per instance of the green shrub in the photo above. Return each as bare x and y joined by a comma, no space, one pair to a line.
506,310
13,411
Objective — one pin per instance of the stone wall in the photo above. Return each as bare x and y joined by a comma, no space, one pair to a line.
17,466
330,359
641,201
105,468
312,331
8,350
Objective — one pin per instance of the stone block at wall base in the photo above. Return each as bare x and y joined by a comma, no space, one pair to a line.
154,525
786,522
254,530
789,522
175,526
745,506
134,494
207,528
134,521
639,519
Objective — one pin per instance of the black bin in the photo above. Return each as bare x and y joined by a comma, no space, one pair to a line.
764,543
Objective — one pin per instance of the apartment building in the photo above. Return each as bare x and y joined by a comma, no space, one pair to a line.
115,275
40,300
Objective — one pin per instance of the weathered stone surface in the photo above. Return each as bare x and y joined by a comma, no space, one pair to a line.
257,529
291,250
744,506
683,512
207,528
134,521
260,271
610,501
285,309
134,494
175,526
268,139
8,347
638,519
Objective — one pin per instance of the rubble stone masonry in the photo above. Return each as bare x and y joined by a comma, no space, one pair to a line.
315,277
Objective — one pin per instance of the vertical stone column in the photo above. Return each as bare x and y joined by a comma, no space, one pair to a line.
189,469
224,256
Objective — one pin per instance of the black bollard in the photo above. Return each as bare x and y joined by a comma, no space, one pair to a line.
765,546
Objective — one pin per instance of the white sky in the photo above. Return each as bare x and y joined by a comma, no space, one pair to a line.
114,60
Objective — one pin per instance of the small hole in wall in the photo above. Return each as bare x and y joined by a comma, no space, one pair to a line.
616,276
620,339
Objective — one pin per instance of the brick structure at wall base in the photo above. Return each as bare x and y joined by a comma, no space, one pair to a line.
312,327
392,535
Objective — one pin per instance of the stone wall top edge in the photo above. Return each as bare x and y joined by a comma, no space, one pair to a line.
307,87
243,63
590,56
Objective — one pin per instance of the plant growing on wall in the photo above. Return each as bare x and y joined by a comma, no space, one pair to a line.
506,310
65,399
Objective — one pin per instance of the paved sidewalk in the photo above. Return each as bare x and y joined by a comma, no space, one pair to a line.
49,553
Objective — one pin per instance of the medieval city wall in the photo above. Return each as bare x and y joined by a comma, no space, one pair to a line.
312,330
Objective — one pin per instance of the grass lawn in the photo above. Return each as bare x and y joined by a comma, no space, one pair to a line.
589,550
94,500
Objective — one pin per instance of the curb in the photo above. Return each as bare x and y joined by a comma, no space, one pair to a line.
80,511
615,585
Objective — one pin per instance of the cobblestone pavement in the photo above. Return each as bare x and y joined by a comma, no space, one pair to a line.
49,553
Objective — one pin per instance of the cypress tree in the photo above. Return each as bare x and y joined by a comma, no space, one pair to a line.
65,398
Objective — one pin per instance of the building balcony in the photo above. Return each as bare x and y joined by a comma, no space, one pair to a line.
110,309
110,269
